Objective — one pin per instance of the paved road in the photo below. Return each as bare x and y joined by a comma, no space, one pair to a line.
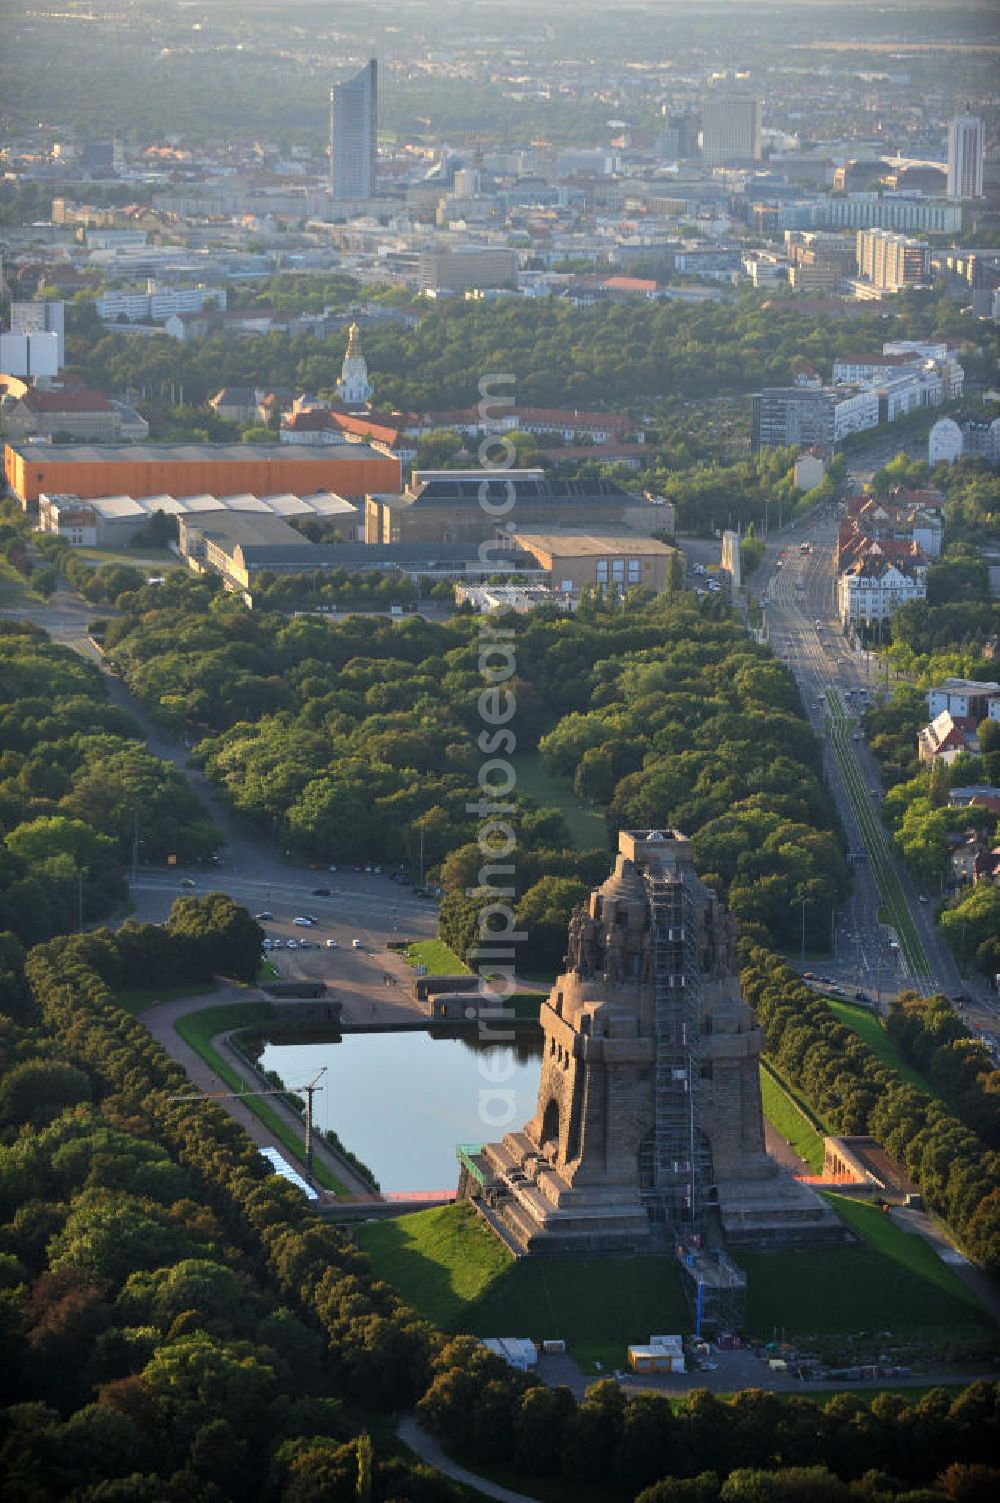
836,682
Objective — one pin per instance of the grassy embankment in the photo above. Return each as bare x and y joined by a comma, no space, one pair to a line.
436,956
448,1265
868,1027
198,1029
788,1118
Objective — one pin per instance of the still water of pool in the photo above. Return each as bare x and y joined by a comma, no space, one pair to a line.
402,1101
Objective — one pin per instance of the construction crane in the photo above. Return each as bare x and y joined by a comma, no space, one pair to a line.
308,1090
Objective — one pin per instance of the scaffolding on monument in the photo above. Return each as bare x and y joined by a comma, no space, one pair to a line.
678,1189
715,1290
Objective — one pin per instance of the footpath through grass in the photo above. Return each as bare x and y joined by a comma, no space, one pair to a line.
198,1029
787,1118
450,1267
867,1026
586,827
890,1280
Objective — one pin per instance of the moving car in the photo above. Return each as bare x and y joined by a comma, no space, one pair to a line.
303,921
321,892
263,918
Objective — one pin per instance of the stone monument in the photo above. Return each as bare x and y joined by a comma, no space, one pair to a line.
649,1127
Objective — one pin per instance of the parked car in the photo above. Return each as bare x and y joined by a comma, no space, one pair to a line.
292,944
331,944
356,944
269,944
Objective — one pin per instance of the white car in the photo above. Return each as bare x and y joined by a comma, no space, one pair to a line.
304,923
292,944
355,944
331,944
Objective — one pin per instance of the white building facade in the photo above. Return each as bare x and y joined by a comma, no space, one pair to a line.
873,590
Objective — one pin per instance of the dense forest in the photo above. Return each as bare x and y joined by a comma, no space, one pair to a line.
77,789
177,1327
559,355
355,740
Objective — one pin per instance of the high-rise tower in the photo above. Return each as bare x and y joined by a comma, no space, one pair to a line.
354,135
730,128
649,1109
965,157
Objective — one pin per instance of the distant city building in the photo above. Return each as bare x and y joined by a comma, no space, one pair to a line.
40,317
978,698
964,438
349,470
892,261
354,388
862,211
731,129
446,506
475,266
815,416
29,355
354,135
948,737
901,528
157,304
78,413
113,521
966,149
574,559
874,587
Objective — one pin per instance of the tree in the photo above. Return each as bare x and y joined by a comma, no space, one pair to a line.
36,1090
543,913
218,936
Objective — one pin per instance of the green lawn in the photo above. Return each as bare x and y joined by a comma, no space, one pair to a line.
136,999
867,1026
786,1117
891,1280
586,827
451,1268
153,559
437,957
199,1028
